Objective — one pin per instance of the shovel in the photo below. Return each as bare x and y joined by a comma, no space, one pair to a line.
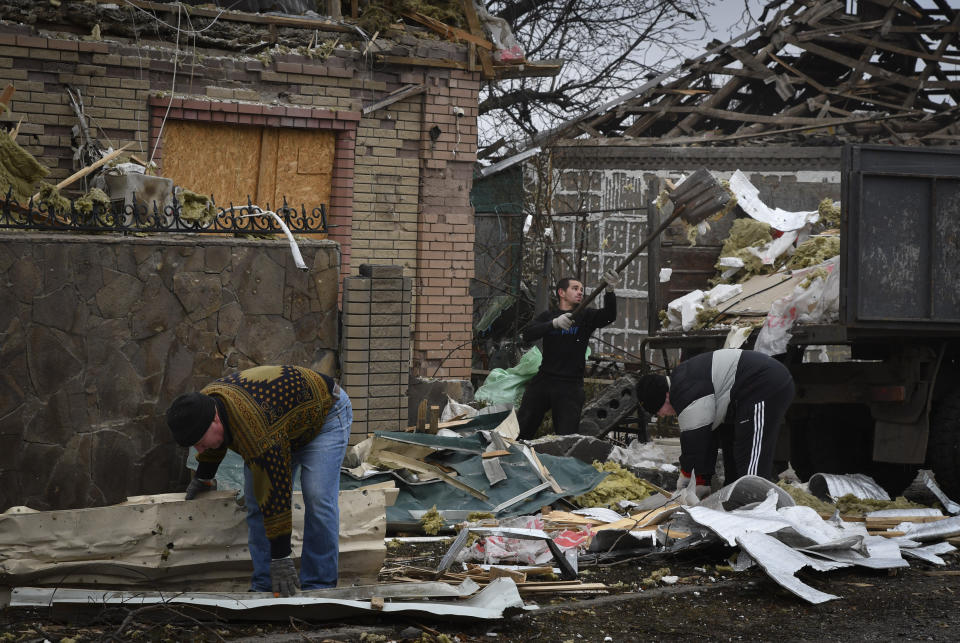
697,198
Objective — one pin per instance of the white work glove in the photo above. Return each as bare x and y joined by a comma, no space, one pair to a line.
564,321
612,277
283,577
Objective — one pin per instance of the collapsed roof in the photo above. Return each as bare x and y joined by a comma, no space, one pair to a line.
812,73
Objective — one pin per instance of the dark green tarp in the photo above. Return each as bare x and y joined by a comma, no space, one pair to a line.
573,476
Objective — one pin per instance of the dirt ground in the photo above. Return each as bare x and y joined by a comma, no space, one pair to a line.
919,603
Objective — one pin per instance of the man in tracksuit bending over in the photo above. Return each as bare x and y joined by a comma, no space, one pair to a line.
731,398
558,385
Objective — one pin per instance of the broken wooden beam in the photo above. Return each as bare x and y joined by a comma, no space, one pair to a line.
79,174
403,462
448,32
396,96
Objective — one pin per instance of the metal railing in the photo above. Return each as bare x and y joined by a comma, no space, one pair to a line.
98,217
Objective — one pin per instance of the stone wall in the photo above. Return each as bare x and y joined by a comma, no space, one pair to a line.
98,333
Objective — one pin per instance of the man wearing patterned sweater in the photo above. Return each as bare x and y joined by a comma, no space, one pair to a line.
282,420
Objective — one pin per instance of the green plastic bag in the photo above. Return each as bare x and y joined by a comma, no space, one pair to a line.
505,386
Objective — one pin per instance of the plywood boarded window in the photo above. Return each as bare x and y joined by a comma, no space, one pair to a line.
232,162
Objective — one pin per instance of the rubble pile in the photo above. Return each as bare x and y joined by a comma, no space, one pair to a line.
525,528
776,268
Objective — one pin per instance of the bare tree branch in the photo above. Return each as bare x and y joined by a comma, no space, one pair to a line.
606,48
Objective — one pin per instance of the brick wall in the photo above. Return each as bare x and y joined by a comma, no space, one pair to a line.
406,202
375,351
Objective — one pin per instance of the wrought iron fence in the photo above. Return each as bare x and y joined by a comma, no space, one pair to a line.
116,217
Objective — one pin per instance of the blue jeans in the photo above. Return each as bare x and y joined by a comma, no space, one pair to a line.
318,464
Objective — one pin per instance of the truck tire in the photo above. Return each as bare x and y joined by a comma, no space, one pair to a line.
943,448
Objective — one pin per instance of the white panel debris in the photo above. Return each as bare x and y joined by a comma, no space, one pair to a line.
497,599
930,553
745,491
783,537
926,477
939,530
835,485
781,563
906,514
748,198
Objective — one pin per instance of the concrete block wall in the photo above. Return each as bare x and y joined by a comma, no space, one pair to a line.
375,350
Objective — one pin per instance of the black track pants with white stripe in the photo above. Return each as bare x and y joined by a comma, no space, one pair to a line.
749,445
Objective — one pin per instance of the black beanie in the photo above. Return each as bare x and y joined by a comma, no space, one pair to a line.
190,416
652,392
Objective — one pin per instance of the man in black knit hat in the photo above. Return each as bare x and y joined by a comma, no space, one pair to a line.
282,420
730,398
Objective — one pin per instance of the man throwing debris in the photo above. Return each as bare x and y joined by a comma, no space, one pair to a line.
731,398
558,385
281,420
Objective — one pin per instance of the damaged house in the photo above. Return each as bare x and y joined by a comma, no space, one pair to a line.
776,102
364,139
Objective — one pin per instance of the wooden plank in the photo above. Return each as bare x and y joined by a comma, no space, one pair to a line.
422,416
640,521
500,572
727,115
810,34
448,32
494,454
853,63
194,154
541,470
473,23
443,425
402,461
79,174
886,46
832,91
393,97
528,69
305,160
269,154
569,518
